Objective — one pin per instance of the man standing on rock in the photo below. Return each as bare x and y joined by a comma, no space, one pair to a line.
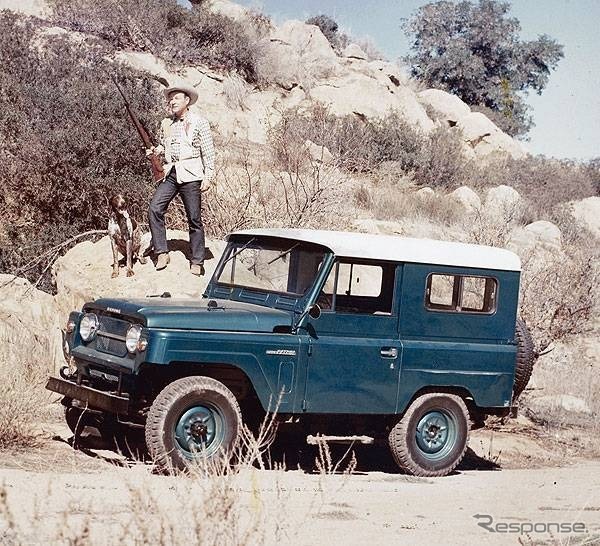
187,144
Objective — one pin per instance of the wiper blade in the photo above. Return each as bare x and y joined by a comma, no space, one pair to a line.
240,250
285,252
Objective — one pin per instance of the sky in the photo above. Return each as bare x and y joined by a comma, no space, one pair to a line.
567,114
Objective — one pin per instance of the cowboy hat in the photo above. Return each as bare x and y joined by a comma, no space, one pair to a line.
188,90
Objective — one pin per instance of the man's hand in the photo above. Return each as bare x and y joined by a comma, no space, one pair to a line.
154,150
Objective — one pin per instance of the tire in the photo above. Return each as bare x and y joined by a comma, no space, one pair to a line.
431,437
193,419
525,358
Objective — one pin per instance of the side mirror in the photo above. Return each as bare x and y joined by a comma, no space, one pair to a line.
315,311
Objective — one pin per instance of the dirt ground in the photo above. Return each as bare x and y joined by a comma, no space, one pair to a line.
517,485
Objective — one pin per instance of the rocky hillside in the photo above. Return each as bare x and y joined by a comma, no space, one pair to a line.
304,69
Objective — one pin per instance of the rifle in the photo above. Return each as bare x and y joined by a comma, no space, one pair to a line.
155,162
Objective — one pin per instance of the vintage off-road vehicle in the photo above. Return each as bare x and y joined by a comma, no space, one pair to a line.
344,334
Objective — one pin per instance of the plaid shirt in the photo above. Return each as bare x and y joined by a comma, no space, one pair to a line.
201,139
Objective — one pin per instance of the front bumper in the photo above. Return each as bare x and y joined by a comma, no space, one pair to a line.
94,398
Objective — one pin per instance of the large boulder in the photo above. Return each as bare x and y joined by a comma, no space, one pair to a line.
486,138
502,200
540,235
587,213
467,198
229,9
84,273
449,106
386,72
297,54
357,93
354,51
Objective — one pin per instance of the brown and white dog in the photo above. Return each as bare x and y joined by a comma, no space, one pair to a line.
125,236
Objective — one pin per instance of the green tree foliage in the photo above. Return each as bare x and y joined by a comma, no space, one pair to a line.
473,50
66,143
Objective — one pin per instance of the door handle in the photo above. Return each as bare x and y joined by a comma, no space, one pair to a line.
389,352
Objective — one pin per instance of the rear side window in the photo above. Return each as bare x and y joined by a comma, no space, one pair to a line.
461,293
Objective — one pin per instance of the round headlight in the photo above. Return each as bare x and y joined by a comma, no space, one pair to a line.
88,326
132,337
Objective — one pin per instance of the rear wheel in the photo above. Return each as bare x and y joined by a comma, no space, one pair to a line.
432,436
193,419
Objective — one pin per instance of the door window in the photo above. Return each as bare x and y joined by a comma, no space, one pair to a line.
359,288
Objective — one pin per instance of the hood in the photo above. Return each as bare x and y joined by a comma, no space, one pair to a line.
187,314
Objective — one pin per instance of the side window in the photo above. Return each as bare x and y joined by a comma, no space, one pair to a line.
461,293
359,288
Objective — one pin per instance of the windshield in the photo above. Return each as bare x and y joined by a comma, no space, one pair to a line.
273,265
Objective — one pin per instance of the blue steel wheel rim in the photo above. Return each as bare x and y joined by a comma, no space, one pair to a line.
200,431
436,434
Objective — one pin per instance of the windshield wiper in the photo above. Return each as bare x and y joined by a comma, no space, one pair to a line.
240,250
282,254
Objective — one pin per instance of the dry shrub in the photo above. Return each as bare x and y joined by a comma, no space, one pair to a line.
59,157
23,402
493,229
358,145
442,163
390,203
168,30
236,91
557,181
255,190
559,295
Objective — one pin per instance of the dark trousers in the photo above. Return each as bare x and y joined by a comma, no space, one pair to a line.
191,197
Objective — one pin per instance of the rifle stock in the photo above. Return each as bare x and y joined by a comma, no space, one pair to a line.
155,162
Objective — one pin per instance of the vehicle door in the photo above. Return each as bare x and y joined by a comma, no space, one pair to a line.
353,351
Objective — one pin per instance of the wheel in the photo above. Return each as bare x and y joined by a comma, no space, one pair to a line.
192,419
431,438
525,358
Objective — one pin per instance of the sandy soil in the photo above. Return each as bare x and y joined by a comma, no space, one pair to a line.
514,478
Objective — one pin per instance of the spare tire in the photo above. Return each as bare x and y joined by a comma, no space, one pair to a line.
525,358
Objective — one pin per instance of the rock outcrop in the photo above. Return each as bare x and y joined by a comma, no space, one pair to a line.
587,213
449,106
537,236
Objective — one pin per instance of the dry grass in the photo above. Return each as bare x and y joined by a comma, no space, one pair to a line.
236,91
390,199
23,398
225,502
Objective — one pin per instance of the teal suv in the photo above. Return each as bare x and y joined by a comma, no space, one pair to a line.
351,337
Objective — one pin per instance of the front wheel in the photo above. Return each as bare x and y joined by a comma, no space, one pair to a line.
193,419
431,438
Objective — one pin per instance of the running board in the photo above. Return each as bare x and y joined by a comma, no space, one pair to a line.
316,440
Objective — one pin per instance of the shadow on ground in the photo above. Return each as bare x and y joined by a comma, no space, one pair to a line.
289,451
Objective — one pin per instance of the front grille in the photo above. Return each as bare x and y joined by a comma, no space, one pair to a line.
111,346
110,337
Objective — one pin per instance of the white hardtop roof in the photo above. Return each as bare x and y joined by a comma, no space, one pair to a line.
398,249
